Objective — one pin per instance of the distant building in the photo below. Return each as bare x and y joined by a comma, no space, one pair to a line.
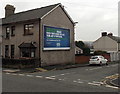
78,50
45,33
107,42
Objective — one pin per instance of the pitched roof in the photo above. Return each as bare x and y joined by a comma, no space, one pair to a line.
117,39
29,15
27,45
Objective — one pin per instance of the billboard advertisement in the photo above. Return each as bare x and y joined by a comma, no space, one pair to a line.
56,38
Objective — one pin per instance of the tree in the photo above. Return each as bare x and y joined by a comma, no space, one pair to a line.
81,45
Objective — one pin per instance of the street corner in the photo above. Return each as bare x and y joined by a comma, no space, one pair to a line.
112,81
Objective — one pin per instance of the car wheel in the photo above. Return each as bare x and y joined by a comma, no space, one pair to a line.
100,63
106,63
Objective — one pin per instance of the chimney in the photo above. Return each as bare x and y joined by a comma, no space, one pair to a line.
9,10
104,34
110,34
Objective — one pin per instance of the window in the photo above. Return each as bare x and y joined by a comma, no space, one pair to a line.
28,29
27,52
7,32
6,51
13,31
12,51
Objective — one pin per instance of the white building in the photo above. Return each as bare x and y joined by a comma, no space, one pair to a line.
109,43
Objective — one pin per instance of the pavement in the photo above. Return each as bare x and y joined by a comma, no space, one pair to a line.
43,69
116,82
46,68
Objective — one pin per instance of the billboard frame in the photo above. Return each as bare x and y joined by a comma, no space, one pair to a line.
55,48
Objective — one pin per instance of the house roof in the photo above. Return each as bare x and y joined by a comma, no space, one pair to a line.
117,39
31,14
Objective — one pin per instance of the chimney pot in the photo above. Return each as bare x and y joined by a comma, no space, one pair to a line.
110,34
104,34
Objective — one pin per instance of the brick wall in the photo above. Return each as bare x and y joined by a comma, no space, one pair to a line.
85,59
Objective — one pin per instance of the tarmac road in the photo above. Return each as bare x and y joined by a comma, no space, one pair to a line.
81,79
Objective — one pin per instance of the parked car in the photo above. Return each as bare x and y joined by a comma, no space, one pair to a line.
98,60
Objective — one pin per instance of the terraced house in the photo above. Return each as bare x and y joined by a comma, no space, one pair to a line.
46,33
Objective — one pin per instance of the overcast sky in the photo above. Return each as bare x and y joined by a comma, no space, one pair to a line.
93,16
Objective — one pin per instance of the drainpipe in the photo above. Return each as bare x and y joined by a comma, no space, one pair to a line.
39,43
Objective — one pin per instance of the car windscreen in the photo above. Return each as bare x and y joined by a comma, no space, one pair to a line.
94,57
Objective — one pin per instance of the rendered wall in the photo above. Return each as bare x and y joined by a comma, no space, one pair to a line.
58,19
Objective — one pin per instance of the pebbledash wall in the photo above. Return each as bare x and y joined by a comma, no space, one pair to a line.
56,18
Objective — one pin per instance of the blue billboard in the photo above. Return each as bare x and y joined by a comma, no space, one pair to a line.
56,38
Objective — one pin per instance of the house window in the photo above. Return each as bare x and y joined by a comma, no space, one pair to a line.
12,51
28,29
27,52
7,32
13,31
6,51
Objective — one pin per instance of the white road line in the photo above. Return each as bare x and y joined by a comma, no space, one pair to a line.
79,82
14,74
62,74
21,74
94,84
59,79
112,86
74,81
50,78
95,68
39,76
7,73
98,82
29,75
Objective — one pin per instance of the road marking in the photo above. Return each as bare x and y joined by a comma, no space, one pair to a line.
14,74
60,79
77,81
39,76
21,74
112,87
62,74
112,76
50,78
101,83
29,75
7,73
93,84
74,81
95,68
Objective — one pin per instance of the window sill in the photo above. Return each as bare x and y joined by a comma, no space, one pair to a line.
13,35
